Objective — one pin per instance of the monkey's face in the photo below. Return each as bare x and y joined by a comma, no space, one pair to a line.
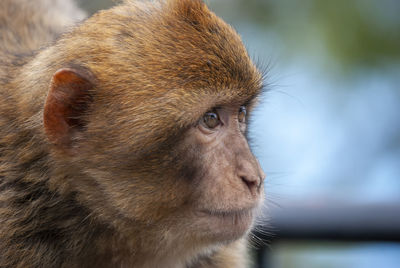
202,181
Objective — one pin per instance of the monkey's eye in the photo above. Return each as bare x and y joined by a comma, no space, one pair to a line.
211,119
242,114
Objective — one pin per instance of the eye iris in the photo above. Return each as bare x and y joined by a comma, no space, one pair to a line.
242,114
211,119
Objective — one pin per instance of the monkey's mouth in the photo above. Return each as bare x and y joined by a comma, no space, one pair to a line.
228,213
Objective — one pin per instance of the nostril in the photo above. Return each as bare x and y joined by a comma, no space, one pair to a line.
252,184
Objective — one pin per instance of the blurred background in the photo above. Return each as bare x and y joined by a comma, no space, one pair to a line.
327,130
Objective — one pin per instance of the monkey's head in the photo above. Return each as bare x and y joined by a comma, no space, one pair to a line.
147,115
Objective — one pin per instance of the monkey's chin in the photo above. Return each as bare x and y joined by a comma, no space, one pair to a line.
227,226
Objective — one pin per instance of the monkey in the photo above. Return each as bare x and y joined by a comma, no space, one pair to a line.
123,137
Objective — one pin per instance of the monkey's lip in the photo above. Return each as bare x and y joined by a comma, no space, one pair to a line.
245,212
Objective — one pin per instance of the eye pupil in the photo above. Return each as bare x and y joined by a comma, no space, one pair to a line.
242,114
211,119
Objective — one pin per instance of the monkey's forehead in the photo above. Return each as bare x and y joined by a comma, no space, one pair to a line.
162,46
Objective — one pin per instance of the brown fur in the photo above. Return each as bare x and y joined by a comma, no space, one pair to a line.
121,191
27,25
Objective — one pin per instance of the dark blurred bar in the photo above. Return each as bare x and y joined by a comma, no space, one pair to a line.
350,223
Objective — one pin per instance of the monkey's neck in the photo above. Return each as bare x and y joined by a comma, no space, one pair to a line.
141,246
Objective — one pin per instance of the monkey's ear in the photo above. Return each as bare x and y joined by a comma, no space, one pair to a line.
67,101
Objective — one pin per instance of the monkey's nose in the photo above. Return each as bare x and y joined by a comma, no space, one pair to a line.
252,175
253,183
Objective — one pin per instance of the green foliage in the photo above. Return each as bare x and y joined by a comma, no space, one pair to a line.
355,33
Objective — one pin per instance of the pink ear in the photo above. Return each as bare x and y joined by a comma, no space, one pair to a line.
67,101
